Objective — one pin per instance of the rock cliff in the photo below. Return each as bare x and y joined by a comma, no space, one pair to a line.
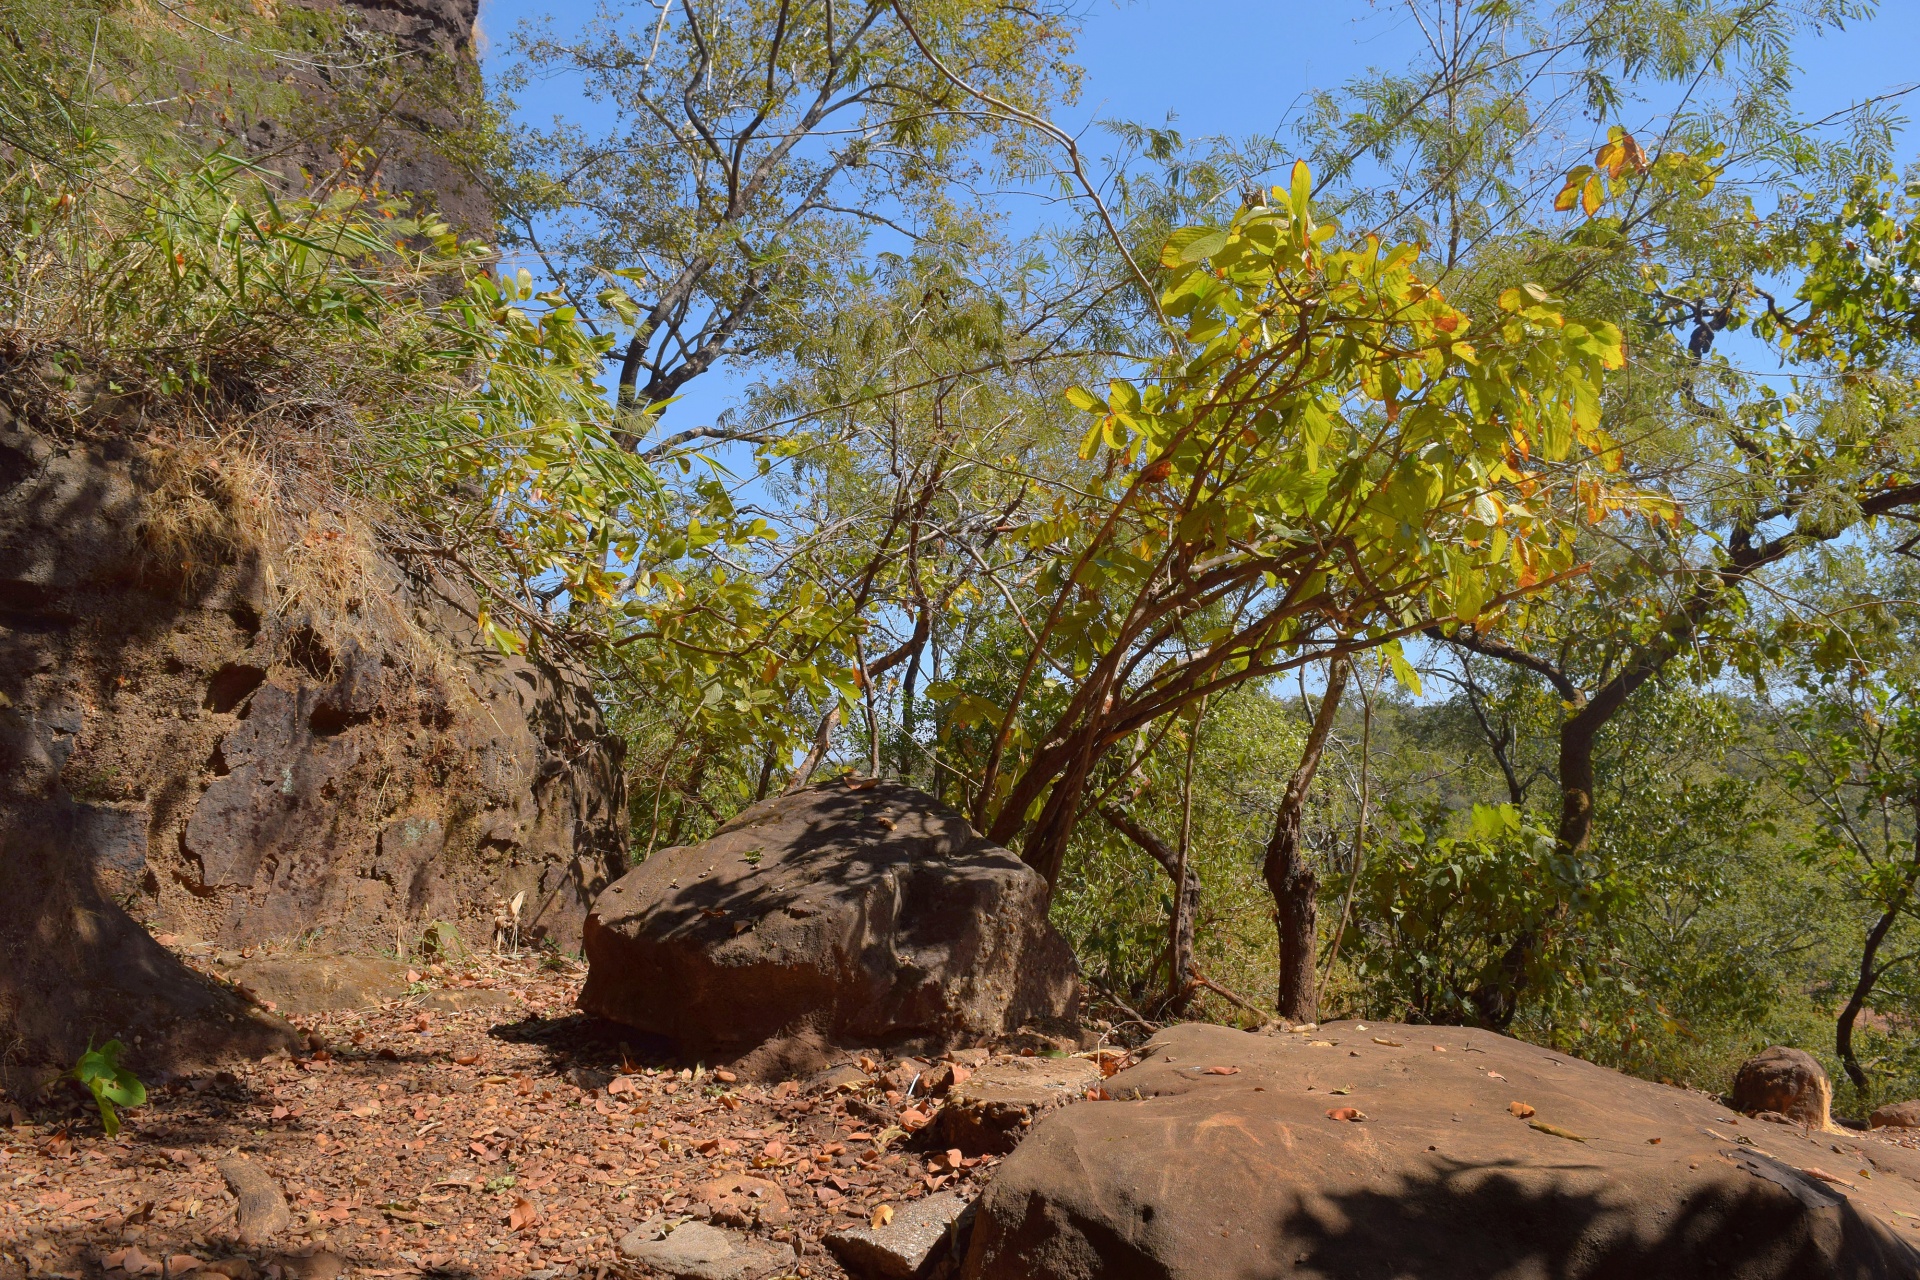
189,741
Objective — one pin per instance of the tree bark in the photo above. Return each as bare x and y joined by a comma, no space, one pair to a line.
1290,876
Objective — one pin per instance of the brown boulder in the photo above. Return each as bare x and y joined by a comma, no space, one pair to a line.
1788,1081
1219,1160
873,917
1896,1115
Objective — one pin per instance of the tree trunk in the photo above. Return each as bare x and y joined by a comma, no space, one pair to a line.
1498,1001
1869,975
1187,903
1290,877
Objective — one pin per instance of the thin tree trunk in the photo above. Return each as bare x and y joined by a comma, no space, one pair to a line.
1180,931
1290,877
1869,974
822,739
1187,905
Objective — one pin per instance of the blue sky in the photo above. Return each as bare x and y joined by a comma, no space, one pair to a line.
1236,66
1239,67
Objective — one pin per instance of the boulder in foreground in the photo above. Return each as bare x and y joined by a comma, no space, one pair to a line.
866,915
1787,1082
1473,1155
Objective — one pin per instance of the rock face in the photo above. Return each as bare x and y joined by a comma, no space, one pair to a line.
872,917
1194,1173
437,38
197,746
1788,1082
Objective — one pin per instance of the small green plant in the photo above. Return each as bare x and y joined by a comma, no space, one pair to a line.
111,1084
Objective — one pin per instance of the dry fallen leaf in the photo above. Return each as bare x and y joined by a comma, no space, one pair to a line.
1555,1130
466,1059
1391,1044
523,1214
1520,1109
181,1263
1439,1049
913,1119
1221,1071
882,1215
1346,1113
1495,1075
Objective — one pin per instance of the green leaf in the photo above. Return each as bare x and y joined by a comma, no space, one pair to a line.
1191,244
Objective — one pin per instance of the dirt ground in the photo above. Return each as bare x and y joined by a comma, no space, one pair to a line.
513,1137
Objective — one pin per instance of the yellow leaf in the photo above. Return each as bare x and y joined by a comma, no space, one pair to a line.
1591,195
882,1215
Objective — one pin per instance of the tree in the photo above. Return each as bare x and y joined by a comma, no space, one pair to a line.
1325,461
753,146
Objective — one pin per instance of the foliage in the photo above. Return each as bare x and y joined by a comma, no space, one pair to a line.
112,1085
1325,452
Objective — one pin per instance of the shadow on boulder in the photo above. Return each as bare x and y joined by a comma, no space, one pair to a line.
866,915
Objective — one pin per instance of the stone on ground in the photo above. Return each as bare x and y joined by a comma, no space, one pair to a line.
1790,1082
1219,1160
991,1110
1897,1115
863,915
308,984
737,1200
260,1210
696,1251
909,1247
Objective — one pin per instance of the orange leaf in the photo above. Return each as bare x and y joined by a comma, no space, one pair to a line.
1347,1113
1520,1109
523,1214
1221,1071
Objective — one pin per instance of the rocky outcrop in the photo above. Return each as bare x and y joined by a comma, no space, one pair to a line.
1785,1082
1896,1115
991,1111
1433,1152
866,915
246,736
397,114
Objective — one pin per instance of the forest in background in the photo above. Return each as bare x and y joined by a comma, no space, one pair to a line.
1466,539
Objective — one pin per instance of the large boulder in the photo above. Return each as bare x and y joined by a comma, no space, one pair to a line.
1433,1152
866,915
248,734
1787,1082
